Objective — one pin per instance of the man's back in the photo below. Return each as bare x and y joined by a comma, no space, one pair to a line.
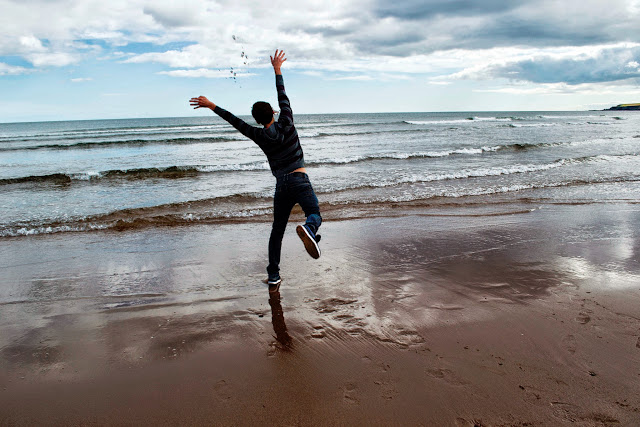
279,141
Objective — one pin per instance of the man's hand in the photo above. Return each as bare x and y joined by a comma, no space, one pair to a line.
276,60
201,102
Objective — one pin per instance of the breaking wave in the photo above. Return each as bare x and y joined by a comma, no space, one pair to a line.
233,209
111,143
190,171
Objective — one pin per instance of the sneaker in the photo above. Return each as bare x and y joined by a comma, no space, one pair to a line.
309,239
274,279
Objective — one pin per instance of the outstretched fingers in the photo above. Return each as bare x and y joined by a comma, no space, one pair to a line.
278,58
198,102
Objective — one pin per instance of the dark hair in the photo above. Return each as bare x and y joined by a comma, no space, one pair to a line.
262,112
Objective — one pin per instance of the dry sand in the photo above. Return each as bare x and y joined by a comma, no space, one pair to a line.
516,319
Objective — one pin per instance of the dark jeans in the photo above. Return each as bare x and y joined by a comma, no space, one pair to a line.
291,189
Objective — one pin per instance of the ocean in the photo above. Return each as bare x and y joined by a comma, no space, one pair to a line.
86,176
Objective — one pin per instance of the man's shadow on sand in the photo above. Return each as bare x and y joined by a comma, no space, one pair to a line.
277,319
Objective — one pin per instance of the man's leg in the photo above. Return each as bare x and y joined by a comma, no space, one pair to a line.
306,197
309,204
282,205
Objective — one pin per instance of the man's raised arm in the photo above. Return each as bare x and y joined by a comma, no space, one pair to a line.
244,128
286,115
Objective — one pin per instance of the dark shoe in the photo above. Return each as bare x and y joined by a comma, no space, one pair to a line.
309,239
274,279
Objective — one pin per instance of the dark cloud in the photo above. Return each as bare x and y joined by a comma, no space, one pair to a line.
323,30
513,30
171,17
421,9
609,66
414,27
399,45
433,25
367,36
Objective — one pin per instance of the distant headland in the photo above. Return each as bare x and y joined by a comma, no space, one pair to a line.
624,107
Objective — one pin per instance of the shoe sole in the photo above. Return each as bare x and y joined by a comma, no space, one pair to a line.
275,288
309,242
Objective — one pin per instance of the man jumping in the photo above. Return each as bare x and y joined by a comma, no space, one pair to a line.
279,141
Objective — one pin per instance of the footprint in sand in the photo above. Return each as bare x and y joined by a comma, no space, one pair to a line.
384,367
570,343
446,375
583,318
386,386
387,389
222,390
349,394
565,411
532,394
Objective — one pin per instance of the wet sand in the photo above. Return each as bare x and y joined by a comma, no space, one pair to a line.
427,318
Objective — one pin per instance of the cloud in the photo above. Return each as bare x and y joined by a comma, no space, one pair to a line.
468,24
205,72
10,70
56,26
354,78
81,79
521,39
602,64
594,89
544,89
31,44
313,73
191,56
421,9
171,14
59,59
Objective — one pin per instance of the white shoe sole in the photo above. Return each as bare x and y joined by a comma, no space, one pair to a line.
309,242
275,288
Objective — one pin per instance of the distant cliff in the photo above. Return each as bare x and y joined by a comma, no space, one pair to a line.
625,107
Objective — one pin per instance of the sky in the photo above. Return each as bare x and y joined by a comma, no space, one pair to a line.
89,59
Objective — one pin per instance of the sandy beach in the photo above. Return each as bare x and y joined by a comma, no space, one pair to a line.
472,168
525,316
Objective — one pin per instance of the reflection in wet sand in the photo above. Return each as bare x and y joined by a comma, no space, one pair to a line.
277,319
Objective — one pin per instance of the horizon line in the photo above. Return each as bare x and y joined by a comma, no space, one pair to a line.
305,114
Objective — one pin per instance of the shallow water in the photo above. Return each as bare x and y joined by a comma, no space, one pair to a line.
86,175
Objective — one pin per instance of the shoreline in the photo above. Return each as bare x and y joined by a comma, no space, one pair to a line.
419,319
